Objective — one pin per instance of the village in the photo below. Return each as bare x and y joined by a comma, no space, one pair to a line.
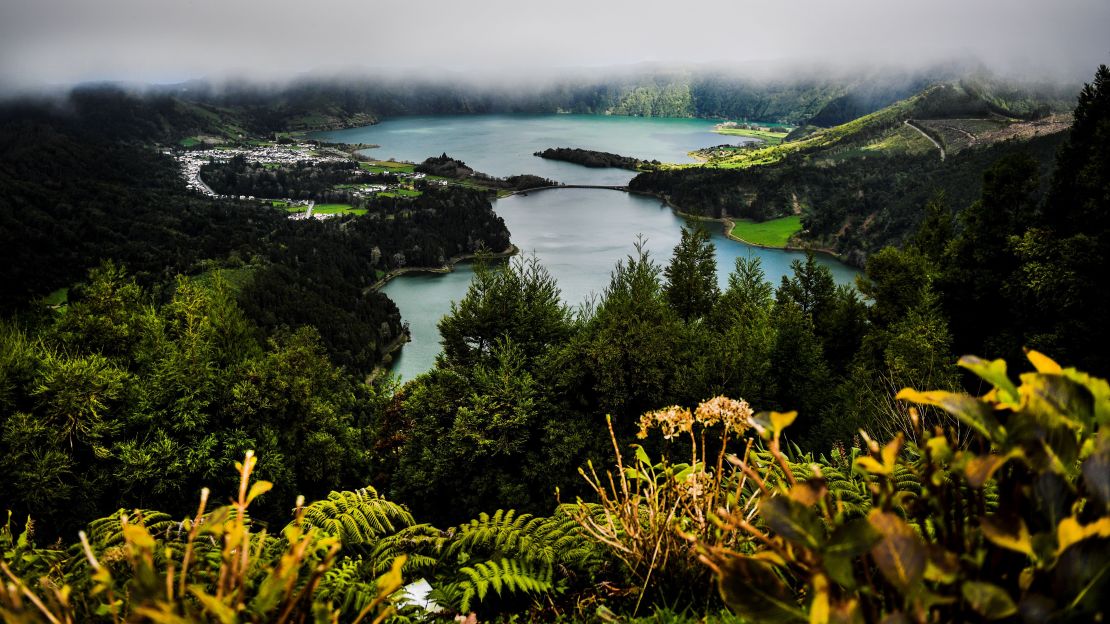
191,162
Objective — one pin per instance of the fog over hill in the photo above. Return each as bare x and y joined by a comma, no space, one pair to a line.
61,42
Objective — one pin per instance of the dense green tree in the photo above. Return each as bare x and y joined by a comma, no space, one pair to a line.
982,260
743,336
473,439
691,276
936,230
632,353
121,403
106,315
520,302
298,412
1077,200
918,351
1062,288
894,280
842,328
907,344
811,286
837,314
798,371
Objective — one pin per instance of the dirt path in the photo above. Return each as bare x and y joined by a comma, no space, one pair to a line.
910,123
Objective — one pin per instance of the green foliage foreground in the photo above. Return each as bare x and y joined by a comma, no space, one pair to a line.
1001,512
343,558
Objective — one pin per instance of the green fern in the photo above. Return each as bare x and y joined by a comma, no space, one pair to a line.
105,533
524,537
348,586
503,576
420,543
20,552
357,518
511,554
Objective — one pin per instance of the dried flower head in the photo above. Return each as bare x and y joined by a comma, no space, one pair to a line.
696,484
671,421
734,416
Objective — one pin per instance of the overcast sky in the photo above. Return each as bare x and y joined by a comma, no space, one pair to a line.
65,41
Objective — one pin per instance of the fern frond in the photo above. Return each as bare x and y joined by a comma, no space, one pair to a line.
420,543
105,533
504,577
348,586
357,518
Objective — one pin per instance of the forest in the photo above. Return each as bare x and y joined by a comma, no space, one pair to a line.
594,158
675,451
126,202
303,180
879,197
451,168
859,186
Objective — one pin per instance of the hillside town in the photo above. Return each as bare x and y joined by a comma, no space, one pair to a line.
191,161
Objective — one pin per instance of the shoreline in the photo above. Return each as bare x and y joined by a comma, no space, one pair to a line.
393,347
447,267
728,224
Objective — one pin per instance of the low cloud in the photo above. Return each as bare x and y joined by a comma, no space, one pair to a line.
46,42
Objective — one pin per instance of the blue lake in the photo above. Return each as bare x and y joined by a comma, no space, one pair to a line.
578,234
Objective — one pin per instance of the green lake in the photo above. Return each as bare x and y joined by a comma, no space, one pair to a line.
578,234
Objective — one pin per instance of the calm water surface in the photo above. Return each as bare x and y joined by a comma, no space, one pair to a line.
504,145
578,234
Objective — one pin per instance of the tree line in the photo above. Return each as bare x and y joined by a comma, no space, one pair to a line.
300,180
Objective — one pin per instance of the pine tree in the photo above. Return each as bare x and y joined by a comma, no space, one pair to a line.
691,277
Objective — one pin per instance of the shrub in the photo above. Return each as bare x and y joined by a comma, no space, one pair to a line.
1013,524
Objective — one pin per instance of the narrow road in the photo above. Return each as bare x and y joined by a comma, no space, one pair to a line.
910,123
201,183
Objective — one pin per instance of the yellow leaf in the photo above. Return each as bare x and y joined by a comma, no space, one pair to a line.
979,469
138,537
967,409
782,420
1043,363
940,449
819,608
870,464
900,554
161,615
1026,578
392,580
846,612
258,488
1069,531
941,566
890,452
1014,537
809,493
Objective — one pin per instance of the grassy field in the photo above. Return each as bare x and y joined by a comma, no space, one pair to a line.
189,142
337,209
772,233
387,166
771,138
401,192
847,135
327,209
